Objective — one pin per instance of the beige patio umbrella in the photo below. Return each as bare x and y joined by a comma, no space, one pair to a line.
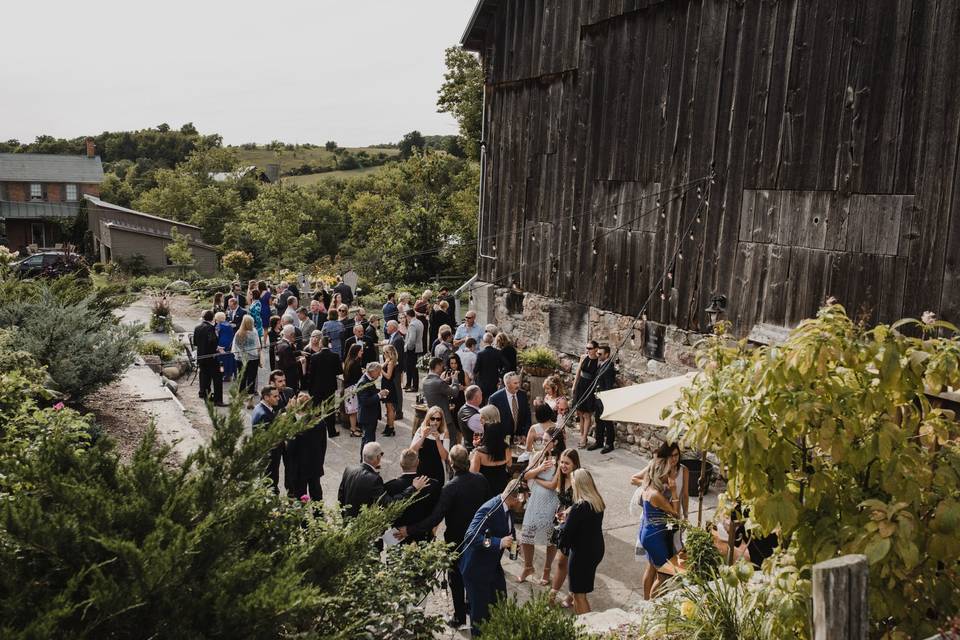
644,402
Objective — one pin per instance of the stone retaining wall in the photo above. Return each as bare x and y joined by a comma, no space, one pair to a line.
531,319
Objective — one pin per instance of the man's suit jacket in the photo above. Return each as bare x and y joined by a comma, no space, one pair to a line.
346,293
397,341
288,363
368,400
438,392
235,317
459,500
307,327
262,415
323,367
363,486
501,401
478,563
421,508
486,371
370,353
205,342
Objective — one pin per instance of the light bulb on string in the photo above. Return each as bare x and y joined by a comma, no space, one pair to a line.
680,255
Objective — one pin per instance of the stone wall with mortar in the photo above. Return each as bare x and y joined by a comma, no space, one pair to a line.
531,319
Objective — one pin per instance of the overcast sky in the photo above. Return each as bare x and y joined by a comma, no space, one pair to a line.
355,71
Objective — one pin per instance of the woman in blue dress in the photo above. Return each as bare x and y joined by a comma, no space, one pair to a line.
658,507
333,329
225,339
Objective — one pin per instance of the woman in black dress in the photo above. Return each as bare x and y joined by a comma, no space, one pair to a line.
459,377
389,378
274,334
352,372
428,443
490,459
508,353
583,398
581,538
305,455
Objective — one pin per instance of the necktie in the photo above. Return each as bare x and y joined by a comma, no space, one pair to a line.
514,409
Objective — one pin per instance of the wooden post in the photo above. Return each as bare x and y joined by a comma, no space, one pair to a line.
840,599
702,486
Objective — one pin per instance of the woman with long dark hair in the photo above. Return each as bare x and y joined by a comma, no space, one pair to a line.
562,483
352,372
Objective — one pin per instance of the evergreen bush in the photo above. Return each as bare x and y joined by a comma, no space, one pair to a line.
536,619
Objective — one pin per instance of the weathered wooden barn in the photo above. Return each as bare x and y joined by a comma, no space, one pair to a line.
831,127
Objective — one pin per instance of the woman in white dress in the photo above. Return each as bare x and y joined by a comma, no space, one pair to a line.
538,520
538,433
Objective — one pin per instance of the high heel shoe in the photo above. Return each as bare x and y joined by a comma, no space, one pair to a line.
526,573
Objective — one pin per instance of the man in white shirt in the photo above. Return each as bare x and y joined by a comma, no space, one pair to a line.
469,329
291,312
468,355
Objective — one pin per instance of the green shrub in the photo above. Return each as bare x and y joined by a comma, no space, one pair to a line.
157,282
538,358
133,265
536,619
199,549
72,332
703,559
165,350
207,287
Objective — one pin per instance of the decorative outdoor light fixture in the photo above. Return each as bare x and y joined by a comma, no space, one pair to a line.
718,304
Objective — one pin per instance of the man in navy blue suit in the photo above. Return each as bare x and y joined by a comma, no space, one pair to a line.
514,406
490,532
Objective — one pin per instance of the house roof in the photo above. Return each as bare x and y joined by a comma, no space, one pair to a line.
223,176
38,210
47,167
473,36
129,228
100,204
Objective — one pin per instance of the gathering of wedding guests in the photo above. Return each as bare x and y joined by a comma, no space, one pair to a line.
485,459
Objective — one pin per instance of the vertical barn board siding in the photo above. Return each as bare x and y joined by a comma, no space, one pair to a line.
832,126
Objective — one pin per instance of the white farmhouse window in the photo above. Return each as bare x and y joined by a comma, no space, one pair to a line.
71,192
36,191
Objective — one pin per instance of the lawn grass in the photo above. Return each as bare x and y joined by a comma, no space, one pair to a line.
317,156
314,178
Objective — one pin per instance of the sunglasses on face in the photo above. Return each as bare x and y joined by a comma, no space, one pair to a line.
435,419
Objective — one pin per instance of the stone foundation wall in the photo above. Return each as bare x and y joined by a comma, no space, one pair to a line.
531,319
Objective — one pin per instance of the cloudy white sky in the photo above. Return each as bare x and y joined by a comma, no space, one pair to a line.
355,71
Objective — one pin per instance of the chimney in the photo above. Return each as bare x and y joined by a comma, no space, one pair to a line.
91,148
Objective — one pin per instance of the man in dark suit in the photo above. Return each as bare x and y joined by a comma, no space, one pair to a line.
235,313
514,406
459,501
486,371
362,486
390,310
370,353
438,392
323,367
263,414
490,532
346,293
368,403
606,380
424,504
288,357
205,342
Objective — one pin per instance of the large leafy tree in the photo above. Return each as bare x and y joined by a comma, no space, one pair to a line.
837,439
461,95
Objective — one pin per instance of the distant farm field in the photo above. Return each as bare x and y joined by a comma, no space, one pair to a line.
314,178
316,156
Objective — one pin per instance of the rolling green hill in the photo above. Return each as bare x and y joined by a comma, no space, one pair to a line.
293,159
313,178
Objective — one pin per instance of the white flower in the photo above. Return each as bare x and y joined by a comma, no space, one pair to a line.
928,317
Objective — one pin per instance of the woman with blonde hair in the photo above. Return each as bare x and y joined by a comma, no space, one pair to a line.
246,350
508,352
582,538
654,536
428,443
388,381
553,390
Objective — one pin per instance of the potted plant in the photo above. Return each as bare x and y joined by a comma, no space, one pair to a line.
538,361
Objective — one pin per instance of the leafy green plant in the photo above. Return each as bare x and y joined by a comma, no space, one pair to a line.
538,358
207,287
703,559
133,265
835,440
161,316
536,619
164,350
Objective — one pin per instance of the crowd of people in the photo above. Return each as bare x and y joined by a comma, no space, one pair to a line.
481,450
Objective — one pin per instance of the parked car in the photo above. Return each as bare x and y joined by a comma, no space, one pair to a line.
50,264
